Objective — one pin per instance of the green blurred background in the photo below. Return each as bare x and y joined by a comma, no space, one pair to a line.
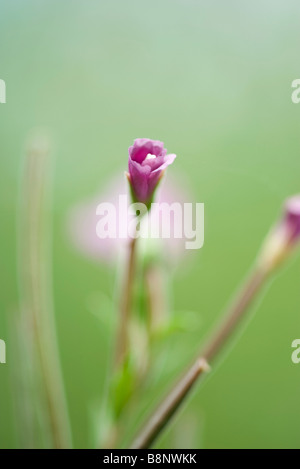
212,79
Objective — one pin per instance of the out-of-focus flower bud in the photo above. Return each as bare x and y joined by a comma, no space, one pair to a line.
283,238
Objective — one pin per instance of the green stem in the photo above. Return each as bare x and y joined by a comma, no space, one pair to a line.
37,306
122,340
179,393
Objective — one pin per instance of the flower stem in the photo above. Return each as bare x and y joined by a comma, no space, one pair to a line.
36,301
157,307
177,396
125,306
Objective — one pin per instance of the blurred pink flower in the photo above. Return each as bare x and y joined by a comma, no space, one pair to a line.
82,222
291,222
147,162
283,237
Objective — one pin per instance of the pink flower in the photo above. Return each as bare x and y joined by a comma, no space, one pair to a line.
147,162
283,238
291,220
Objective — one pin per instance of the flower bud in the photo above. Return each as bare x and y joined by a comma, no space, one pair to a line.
284,237
148,160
